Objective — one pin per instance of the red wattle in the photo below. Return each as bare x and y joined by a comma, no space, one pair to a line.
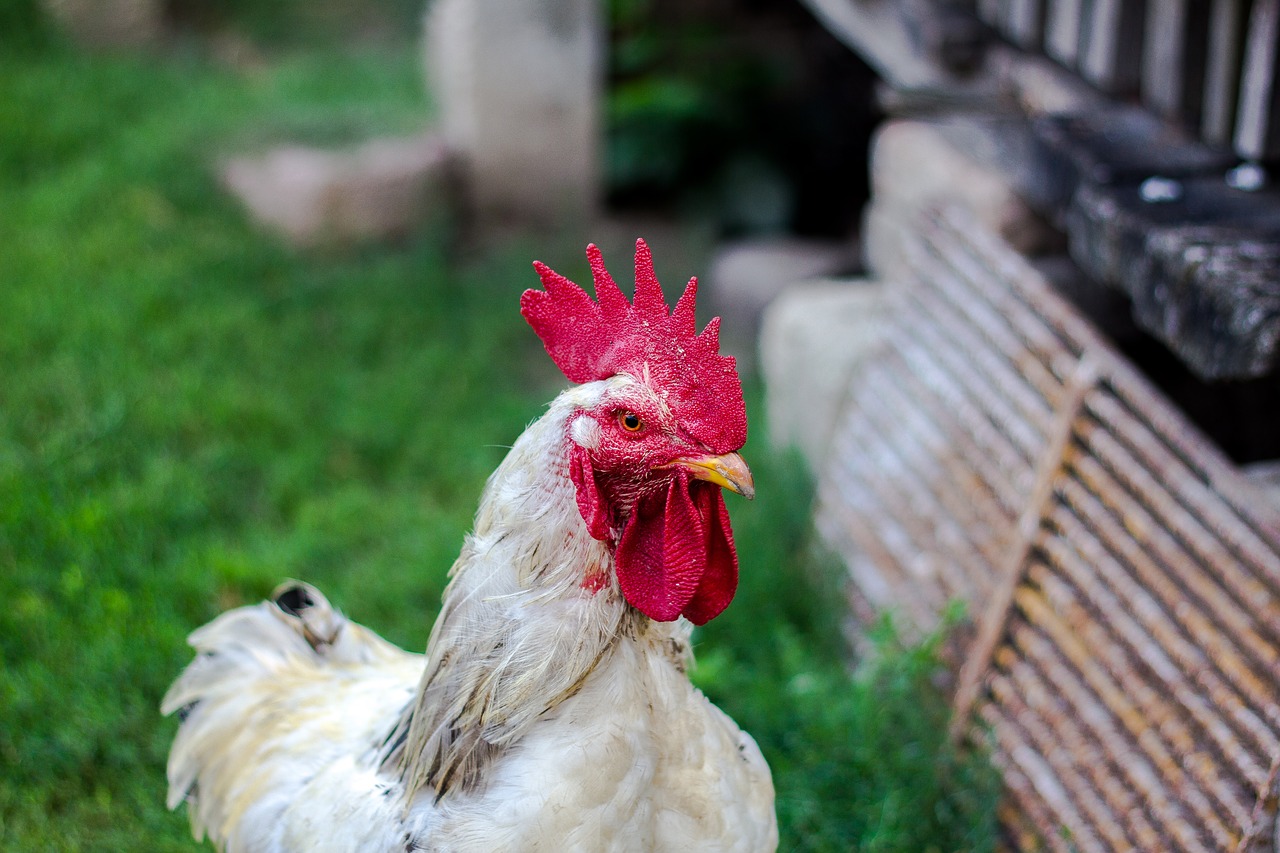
720,580
676,554
590,502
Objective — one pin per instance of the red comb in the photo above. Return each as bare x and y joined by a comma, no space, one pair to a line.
591,340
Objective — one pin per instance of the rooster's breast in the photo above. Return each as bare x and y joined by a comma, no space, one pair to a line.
636,760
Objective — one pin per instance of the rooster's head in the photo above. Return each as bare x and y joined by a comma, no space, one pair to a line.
654,439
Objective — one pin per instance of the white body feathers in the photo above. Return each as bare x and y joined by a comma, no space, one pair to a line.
547,714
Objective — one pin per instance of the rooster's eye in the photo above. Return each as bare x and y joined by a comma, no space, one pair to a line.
630,421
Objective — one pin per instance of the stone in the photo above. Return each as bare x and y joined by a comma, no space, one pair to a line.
109,23
1214,297
1265,477
914,166
1202,268
743,277
812,339
380,190
518,85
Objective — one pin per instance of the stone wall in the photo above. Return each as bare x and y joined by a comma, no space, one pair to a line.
519,91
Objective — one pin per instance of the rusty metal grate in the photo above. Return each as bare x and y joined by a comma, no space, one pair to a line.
1124,579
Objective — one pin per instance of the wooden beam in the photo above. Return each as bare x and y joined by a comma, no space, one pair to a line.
1024,23
1062,30
1111,58
1222,72
1258,128
1173,59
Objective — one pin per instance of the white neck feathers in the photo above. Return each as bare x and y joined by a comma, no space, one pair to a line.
521,628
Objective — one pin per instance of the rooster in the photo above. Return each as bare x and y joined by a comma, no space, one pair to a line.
551,711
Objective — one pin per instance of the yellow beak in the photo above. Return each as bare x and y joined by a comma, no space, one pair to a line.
729,471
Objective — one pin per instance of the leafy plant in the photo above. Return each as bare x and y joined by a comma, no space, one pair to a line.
861,759
682,88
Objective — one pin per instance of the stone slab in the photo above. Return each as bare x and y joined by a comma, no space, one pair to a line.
518,86
1200,262
916,165
744,276
812,339
109,23
380,190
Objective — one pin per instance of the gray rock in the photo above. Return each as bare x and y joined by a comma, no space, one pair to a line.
914,166
1265,477
109,23
380,190
518,84
812,339
1202,269
745,276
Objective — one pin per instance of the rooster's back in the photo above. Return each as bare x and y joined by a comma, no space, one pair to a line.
282,712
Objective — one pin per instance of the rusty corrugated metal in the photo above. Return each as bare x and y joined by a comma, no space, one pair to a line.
1124,579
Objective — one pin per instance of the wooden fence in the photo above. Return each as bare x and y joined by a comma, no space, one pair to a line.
1124,579
1208,64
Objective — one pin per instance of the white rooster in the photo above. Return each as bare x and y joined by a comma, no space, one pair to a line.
551,711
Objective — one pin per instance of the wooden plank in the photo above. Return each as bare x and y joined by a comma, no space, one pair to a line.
1110,56
1034,784
1127,653
1037,359
1222,71
1015,410
1168,699
1180,627
1032,700
1102,703
1024,23
1258,128
1173,59
991,12
992,623
1062,30
878,31
1215,501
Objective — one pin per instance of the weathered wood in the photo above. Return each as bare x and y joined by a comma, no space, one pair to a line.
1020,21
1126,664
878,32
1024,23
1063,22
1033,781
1223,70
1109,59
1258,127
1091,695
993,622
946,32
1175,707
1143,603
1031,697
1173,58
1203,270
1116,143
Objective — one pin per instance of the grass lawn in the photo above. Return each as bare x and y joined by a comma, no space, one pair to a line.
190,412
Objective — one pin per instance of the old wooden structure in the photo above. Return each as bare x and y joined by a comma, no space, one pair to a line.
1122,574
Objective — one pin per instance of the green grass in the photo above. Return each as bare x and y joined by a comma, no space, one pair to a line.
861,763
190,412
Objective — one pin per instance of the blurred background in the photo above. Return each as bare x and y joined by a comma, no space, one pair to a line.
259,270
